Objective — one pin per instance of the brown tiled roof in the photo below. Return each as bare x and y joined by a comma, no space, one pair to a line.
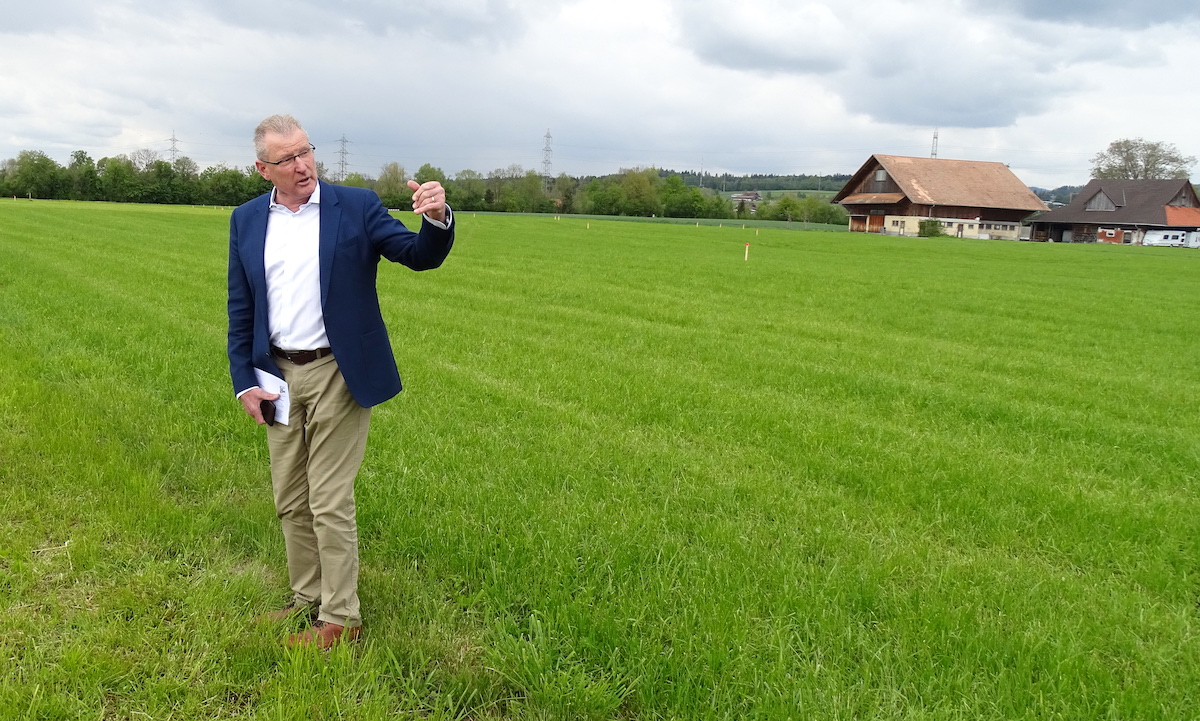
940,181
873,199
1138,202
964,183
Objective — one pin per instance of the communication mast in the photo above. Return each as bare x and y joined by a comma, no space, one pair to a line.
933,153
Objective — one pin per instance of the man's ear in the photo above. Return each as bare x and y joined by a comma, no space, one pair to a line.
261,167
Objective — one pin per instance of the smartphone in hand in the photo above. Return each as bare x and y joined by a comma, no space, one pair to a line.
268,412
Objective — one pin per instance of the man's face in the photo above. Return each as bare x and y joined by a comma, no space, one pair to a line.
294,179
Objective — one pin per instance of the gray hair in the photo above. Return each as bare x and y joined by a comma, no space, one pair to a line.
279,124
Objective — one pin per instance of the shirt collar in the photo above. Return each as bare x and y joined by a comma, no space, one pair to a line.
314,199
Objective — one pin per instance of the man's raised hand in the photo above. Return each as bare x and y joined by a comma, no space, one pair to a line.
429,199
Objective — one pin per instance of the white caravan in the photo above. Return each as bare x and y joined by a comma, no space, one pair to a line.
1174,238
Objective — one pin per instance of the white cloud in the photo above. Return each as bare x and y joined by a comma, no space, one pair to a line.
773,86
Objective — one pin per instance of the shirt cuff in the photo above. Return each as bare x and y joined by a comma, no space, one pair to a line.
239,395
438,224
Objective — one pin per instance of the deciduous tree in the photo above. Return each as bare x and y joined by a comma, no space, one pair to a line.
118,179
37,175
357,180
680,201
1138,159
391,186
603,197
143,158
222,185
467,190
565,191
641,193
427,172
82,178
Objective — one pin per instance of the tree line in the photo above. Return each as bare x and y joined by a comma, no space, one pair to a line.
145,177
142,177
726,182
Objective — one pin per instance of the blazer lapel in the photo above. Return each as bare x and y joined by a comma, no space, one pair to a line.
253,254
331,215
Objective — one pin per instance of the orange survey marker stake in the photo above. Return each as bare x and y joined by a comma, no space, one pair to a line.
747,251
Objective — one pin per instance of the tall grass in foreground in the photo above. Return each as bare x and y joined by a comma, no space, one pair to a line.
632,476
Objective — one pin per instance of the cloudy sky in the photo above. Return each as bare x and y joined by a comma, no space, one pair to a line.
765,86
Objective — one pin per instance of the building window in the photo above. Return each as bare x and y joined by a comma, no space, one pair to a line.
880,175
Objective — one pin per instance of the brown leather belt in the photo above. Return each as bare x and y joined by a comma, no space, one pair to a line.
300,357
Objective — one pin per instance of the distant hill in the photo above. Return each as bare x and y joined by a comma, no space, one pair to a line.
1062,194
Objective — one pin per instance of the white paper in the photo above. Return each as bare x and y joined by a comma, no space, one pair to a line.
274,384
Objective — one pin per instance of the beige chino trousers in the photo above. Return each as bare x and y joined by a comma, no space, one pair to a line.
314,460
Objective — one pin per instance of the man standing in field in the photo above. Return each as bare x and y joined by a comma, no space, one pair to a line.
303,307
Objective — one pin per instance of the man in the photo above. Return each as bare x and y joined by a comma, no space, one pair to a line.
303,307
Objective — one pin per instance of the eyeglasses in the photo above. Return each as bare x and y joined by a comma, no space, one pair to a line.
287,162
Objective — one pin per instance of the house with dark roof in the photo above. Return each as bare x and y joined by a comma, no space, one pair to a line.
1122,211
892,194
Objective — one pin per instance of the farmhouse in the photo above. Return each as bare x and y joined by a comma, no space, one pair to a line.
748,200
1138,212
892,194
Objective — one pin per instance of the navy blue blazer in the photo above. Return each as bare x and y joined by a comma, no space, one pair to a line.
356,231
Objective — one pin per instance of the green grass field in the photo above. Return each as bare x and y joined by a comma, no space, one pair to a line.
633,476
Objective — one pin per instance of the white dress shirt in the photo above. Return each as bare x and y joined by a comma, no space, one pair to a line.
293,261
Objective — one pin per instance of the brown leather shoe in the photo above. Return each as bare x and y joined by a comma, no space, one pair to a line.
323,635
291,611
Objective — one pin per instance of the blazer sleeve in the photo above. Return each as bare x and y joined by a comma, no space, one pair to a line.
240,346
423,250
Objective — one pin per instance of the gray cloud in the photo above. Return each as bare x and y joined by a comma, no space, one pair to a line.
766,36
941,66
961,81
1127,14
23,18
451,21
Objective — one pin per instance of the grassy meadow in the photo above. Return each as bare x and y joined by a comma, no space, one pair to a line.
632,476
